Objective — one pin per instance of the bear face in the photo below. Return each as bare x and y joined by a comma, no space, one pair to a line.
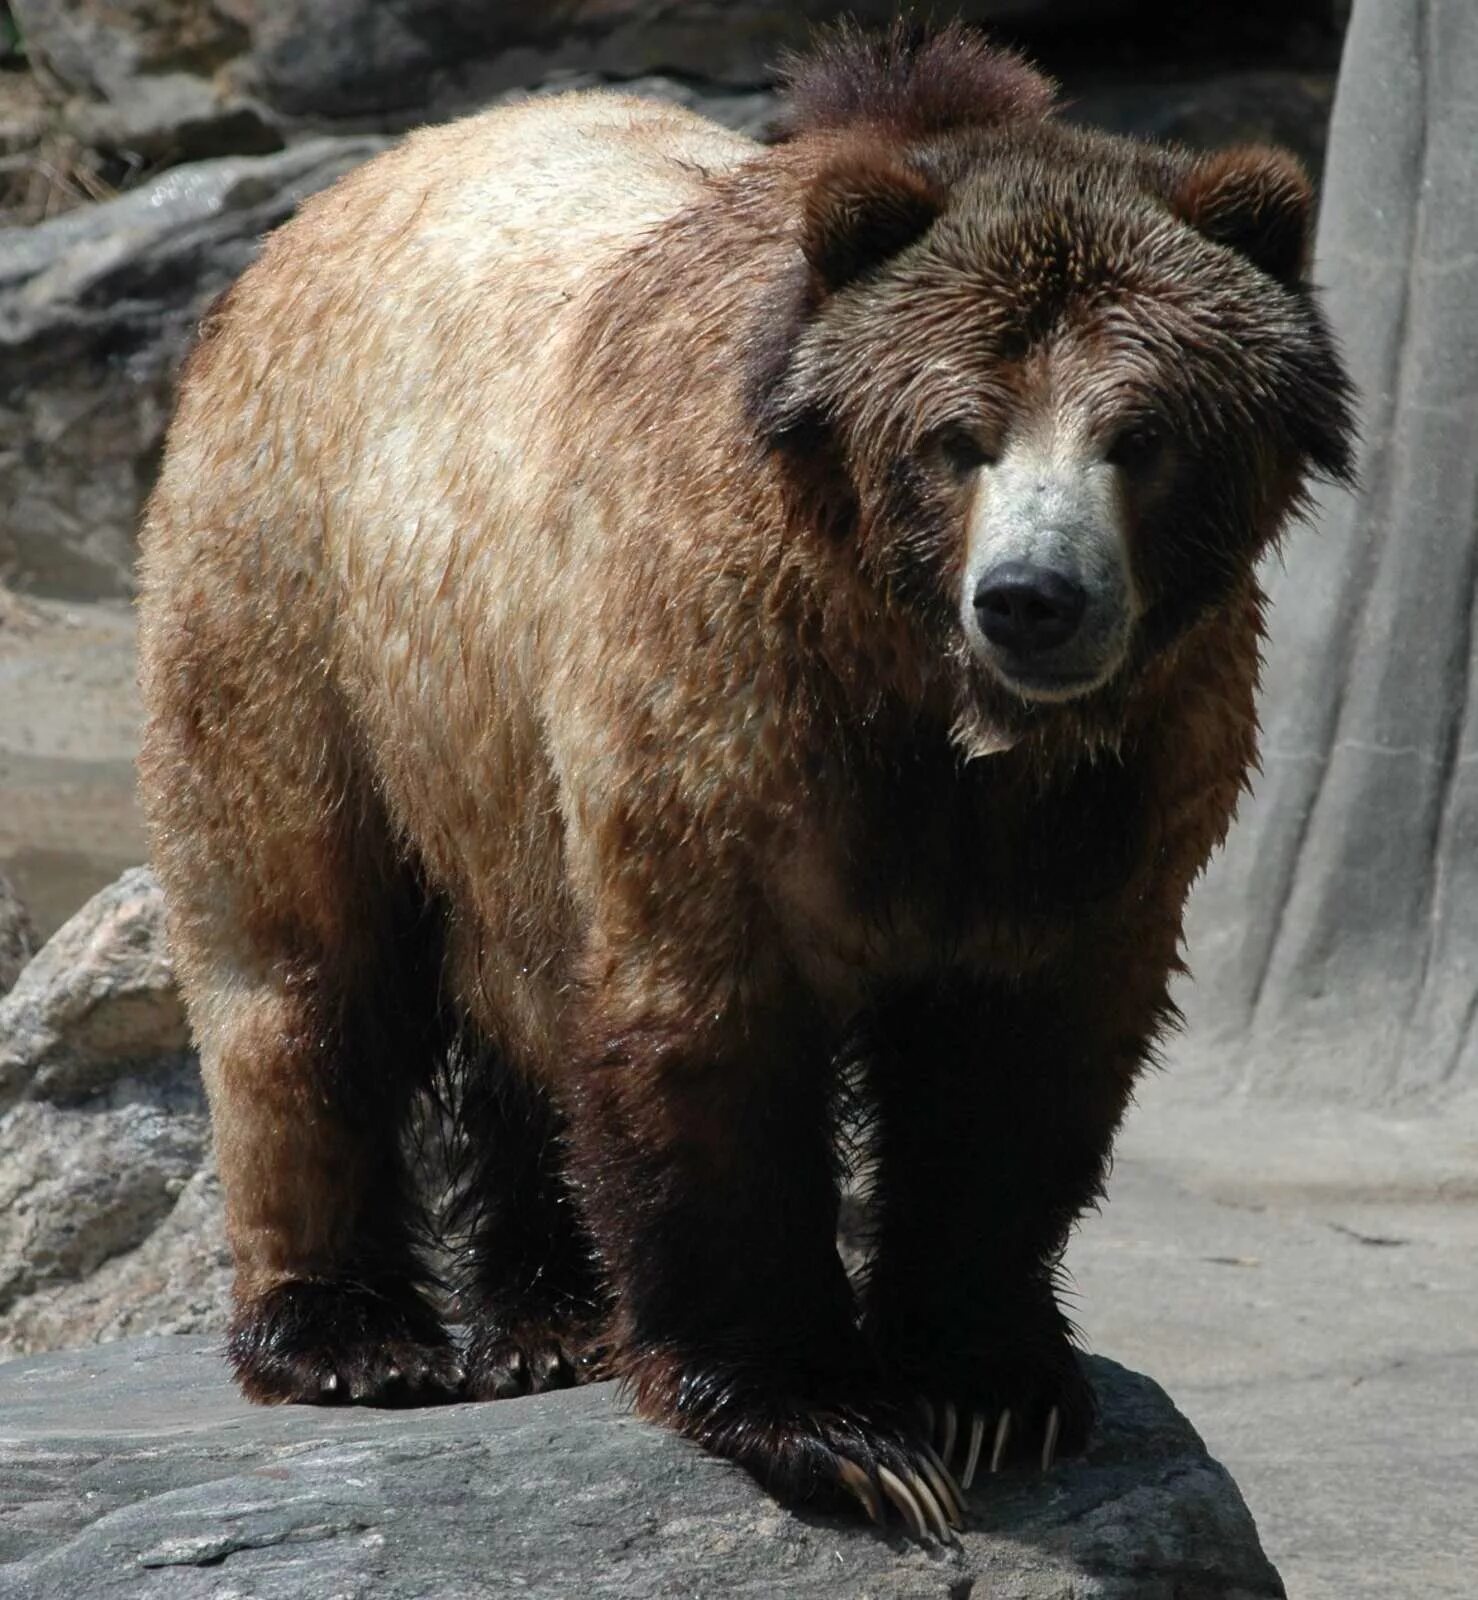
1074,387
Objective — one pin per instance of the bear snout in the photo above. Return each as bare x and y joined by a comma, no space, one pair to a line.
1027,610
1048,601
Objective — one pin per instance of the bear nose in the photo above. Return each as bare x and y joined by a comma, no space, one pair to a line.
1027,609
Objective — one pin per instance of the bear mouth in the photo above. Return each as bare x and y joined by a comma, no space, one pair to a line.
1038,685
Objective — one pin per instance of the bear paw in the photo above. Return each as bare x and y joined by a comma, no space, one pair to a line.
343,1344
834,1451
503,1362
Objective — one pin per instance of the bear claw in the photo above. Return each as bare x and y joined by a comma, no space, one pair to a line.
915,1502
1049,1438
1002,1439
975,1441
860,1486
924,1497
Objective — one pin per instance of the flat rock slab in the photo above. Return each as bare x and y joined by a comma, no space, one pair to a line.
135,1469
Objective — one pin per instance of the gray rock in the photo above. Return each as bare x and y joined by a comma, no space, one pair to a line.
158,1244
96,310
171,117
98,1006
103,47
17,937
110,1214
1336,940
135,1469
80,1187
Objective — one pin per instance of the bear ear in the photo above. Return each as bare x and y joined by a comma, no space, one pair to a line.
861,210
1255,198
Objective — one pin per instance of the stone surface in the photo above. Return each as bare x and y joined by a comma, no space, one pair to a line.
96,310
135,1469
1302,1281
109,1210
17,936
1336,939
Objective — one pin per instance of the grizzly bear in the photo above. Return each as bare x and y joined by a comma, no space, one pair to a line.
700,635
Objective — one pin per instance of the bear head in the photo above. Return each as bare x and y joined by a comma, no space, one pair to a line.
1062,389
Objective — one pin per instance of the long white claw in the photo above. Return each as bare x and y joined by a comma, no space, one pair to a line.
926,1497
902,1497
972,1456
951,1428
860,1485
944,1487
1049,1440
1003,1434
330,1384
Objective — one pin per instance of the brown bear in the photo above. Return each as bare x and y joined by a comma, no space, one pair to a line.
699,634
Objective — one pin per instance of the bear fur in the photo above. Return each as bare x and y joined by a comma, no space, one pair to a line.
555,666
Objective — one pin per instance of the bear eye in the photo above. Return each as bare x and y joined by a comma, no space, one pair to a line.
962,452
1136,447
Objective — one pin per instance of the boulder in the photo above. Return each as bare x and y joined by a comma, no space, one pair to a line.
1335,941
96,310
98,1006
110,1215
136,1469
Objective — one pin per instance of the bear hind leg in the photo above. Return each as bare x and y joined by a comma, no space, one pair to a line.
528,1288
312,1071
308,957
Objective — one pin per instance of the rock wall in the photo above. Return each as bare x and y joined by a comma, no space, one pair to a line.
96,310
1336,940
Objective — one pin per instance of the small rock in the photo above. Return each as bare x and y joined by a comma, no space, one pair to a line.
110,1216
98,1006
102,48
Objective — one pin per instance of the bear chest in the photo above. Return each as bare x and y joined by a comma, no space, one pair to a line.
919,878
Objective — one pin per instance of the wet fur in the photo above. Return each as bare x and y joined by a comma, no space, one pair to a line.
550,654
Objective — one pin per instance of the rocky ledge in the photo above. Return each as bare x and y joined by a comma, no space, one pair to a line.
135,1469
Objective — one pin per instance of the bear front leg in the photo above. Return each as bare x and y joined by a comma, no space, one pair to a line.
703,1156
996,1113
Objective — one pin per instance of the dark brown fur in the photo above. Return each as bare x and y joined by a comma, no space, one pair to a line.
798,834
